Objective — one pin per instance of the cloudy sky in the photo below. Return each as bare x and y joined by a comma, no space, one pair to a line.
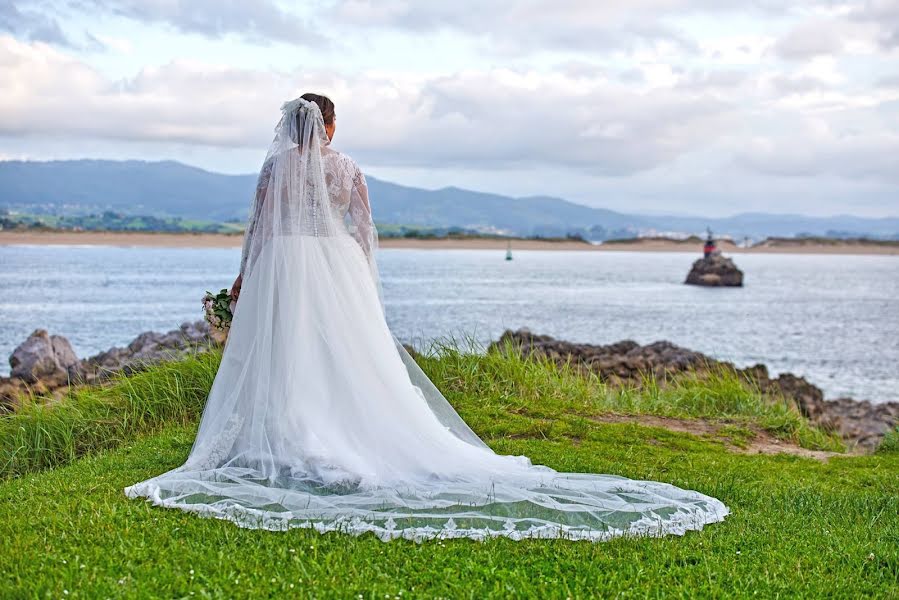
658,106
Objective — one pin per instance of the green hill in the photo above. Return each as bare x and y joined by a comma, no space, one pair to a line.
170,189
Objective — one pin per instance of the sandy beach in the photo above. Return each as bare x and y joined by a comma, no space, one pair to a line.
217,240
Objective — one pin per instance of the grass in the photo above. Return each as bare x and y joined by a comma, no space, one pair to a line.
41,435
499,393
890,442
536,393
799,527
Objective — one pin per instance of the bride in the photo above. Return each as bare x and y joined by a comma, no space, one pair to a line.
318,418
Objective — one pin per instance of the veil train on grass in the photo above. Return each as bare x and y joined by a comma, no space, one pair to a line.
318,417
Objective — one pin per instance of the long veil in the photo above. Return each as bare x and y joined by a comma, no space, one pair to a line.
294,170
319,418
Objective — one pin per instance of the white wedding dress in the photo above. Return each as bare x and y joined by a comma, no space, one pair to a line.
318,418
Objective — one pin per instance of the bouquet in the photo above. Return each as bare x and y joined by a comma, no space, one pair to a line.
217,309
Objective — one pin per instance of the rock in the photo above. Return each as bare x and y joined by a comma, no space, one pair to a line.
149,348
624,363
47,358
862,422
715,270
45,363
625,360
808,398
11,391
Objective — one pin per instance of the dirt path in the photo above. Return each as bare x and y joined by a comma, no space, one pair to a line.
760,442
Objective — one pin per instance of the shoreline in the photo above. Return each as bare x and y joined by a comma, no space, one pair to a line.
623,364
221,240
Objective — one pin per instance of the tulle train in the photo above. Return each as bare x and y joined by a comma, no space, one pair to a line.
313,422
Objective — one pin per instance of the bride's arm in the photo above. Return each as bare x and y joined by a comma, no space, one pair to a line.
360,213
250,250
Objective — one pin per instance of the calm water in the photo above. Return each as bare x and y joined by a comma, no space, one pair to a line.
832,319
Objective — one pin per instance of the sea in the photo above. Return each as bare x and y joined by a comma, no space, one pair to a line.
833,319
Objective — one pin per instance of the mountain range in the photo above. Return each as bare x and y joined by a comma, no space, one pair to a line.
174,189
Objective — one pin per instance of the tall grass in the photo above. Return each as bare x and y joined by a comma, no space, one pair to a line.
45,434
538,388
499,393
890,442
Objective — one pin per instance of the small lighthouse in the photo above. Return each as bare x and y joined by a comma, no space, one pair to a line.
714,269
710,246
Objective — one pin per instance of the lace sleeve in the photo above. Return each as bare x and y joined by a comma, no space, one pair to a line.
247,256
363,225
360,213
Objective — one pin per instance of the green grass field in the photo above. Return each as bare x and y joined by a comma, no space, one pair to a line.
799,526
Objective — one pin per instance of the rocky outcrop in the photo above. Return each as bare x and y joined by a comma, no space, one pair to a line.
859,421
45,357
715,270
627,363
47,365
148,348
625,360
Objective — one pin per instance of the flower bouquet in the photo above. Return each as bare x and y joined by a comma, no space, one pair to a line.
218,311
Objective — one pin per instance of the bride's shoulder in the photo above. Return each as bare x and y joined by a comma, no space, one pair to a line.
338,156
343,161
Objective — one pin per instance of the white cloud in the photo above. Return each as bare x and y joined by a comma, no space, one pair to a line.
260,21
118,44
744,94
59,96
31,22
494,118
815,146
811,39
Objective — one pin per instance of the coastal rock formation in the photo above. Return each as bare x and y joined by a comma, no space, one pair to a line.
148,348
616,363
47,365
715,270
47,358
627,363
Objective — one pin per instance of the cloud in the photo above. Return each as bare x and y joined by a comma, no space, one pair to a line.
741,97
809,40
511,26
814,147
477,119
61,97
512,119
884,15
889,82
260,21
31,24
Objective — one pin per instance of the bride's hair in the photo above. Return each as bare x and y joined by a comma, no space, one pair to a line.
324,103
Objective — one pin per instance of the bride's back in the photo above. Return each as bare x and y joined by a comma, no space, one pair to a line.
308,189
341,175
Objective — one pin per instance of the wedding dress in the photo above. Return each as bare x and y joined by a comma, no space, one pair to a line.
318,418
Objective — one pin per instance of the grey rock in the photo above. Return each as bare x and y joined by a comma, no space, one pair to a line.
44,362
149,348
715,270
43,357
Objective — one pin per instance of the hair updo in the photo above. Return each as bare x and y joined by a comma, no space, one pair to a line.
324,104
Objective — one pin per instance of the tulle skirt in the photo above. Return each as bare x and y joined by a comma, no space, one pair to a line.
313,422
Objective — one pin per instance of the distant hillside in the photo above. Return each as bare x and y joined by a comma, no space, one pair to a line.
172,189
169,188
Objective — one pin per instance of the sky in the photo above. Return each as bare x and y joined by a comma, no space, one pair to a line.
706,107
